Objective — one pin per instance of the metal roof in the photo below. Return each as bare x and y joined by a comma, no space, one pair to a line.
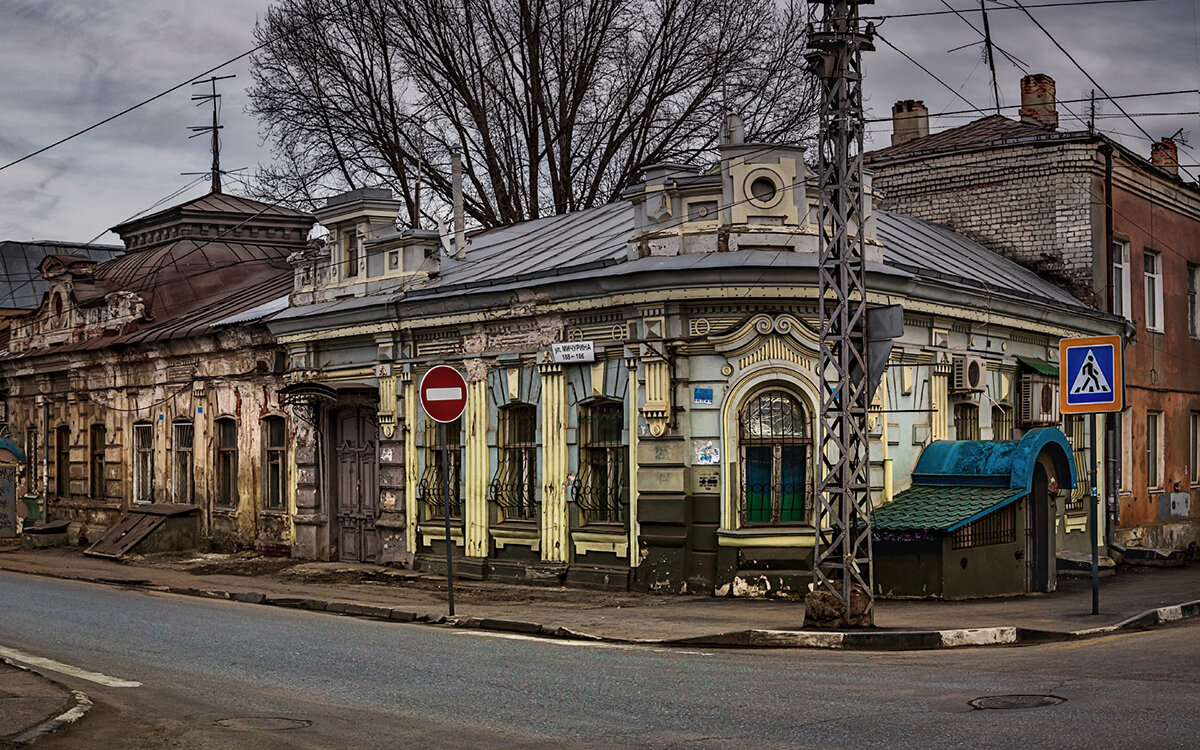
21,283
254,314
993,129
932,251
940,508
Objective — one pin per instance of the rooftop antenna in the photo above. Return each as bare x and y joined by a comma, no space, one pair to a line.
991,60
215,98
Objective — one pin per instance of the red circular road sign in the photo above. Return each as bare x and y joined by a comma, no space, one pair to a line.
443,393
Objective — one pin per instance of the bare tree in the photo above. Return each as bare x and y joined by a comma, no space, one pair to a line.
557,105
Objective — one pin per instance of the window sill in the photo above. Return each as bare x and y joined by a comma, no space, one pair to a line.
272,512
224,511
767,536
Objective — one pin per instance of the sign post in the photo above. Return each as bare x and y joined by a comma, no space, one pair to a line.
443,393
1091,380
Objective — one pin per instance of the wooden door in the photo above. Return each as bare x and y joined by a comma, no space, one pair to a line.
356,479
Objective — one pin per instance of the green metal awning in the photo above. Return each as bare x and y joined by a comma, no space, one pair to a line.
1040,366
941,508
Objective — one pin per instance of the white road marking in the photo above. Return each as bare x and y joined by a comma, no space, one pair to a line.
588,644
57,666
443,394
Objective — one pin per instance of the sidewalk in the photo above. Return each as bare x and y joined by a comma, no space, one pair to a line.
29,705
375,591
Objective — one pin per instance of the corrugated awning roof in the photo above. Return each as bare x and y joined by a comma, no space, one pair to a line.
940,508
1039,365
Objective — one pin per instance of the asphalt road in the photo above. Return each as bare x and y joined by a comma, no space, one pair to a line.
219,674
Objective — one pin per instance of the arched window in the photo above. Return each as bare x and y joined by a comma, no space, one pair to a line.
774,442
514,488
600,485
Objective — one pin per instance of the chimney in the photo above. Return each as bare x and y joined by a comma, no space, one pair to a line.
1037,101
1165,155
460,234
910,120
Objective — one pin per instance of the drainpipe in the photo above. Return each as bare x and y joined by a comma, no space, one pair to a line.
1112,455
888,486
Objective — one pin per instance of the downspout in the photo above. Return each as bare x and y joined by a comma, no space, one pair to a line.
888,486
45,459
1111,454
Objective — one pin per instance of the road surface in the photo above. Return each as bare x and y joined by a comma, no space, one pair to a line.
179,672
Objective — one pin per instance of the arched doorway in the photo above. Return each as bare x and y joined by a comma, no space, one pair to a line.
1038,534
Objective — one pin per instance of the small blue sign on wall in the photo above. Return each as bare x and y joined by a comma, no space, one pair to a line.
702,396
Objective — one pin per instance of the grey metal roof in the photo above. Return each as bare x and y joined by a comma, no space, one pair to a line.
21,284
254,314
931,251
592,245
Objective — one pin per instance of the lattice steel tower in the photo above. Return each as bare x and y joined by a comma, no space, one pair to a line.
842,557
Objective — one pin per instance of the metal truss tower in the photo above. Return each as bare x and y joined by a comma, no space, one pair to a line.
842,577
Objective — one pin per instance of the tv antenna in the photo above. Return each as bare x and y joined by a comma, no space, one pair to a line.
214,129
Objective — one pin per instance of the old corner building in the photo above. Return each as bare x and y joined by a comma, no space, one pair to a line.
642,393
642,390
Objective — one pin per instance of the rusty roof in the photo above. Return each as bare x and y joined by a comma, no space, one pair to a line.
992,130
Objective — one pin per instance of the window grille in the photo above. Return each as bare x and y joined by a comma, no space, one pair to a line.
774,443
98,443
601,482
1002,422
143,463
430,488
274,446
994,528
1076,431
227,462
514,488
62,461
966,422
182,463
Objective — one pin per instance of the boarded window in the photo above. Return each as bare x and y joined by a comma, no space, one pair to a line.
96,445
62,461
274,445
183,466
600,487
143,463
227,462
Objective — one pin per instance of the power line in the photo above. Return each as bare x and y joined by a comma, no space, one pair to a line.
1056,101
923,14
929,72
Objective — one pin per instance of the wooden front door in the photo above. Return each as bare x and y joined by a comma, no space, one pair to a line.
356,479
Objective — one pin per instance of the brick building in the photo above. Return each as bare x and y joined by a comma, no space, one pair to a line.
1119,231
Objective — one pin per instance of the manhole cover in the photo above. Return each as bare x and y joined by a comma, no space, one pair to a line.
267,723
1015,701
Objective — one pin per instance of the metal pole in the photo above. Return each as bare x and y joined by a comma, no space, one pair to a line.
1093,516
446,517
842,548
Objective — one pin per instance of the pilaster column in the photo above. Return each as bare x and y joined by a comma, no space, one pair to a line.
555,522
939,394
631,409
411,475
475,460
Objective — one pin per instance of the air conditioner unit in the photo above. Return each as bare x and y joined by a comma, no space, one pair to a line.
1039,400
970,374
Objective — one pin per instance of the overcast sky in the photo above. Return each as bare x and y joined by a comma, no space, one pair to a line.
65,65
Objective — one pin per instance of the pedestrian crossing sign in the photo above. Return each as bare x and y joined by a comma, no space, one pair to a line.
1091,375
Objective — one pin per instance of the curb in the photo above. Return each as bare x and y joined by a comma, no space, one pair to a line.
83,704
865,640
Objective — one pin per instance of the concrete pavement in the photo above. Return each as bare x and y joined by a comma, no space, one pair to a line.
1133,598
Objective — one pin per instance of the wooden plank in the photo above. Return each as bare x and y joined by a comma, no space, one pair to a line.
125,535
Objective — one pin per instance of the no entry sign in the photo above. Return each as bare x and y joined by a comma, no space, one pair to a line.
443,393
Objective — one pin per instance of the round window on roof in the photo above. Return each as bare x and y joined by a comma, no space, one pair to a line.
763,189
58,304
